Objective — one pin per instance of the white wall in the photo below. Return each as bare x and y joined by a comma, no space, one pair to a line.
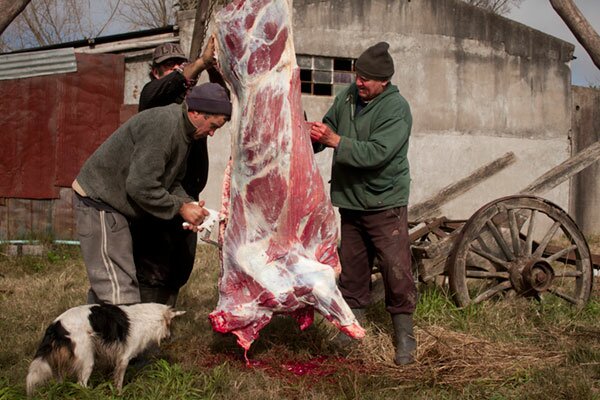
478,85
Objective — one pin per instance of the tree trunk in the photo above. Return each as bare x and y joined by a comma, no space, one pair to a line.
203,13
581,28
9,9
200,26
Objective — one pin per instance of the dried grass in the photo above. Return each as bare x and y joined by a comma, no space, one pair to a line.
448,357
490,345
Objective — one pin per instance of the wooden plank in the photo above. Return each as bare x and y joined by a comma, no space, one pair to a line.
41,218
144,46
441,248
3,219
63,216
19,218
564,171
424,228
429,269
430,207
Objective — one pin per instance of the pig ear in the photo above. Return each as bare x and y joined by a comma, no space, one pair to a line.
176,313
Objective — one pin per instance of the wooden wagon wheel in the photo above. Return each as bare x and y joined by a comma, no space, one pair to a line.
520,245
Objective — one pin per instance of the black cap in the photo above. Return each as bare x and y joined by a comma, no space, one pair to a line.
210,98
376,63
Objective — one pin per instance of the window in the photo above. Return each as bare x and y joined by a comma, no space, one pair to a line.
324,76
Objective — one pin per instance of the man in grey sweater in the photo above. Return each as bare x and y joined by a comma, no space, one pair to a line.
138,171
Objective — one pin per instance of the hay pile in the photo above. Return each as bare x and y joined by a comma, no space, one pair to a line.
453,358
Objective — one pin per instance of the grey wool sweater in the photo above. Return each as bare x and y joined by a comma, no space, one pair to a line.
139,168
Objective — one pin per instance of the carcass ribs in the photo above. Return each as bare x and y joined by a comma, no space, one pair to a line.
279,234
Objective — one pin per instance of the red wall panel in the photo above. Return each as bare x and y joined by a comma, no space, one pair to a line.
51,124
27,142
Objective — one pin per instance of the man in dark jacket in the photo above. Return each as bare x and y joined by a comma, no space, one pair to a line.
368,127
137,172
164,253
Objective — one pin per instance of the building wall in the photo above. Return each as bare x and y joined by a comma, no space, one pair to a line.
586,186
479,86
137,72
50,125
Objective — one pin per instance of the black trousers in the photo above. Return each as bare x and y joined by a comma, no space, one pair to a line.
164,255
381,235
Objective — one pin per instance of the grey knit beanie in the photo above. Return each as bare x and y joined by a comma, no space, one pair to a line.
376,63
210,98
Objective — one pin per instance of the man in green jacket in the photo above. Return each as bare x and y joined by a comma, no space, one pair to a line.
368,126
138,172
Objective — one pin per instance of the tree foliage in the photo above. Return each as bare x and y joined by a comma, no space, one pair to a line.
501,7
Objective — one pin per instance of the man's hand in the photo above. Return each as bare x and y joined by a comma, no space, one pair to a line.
193,213
208,55
205,61
321,133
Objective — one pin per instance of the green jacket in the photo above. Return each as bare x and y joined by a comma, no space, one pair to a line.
370,168
139,168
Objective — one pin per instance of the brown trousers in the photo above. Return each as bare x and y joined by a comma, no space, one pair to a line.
382,236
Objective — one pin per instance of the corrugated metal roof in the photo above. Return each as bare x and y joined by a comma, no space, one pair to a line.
47,62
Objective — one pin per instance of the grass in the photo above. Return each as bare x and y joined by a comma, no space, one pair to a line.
512,349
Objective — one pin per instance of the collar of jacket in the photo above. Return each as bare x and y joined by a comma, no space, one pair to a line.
189,128
352,95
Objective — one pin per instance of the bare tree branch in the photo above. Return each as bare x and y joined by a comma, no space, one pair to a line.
46,22
55,21
9,9
501,7
140,14
109,19
581,28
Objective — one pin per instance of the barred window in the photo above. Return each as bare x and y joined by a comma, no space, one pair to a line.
325,76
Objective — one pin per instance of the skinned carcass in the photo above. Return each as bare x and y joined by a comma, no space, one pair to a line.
279,234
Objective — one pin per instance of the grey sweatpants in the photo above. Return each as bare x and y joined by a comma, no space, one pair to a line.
107,252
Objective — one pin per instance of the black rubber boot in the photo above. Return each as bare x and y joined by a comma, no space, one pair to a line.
342,340
160,295
360,314
405,339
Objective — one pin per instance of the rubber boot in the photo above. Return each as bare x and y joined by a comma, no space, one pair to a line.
360,314
160,295
92,298
405,339
341,340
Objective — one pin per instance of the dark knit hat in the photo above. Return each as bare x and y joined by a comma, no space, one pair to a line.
376,63
166,51
210,98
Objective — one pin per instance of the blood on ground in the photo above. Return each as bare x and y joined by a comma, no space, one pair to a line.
313,369
287,365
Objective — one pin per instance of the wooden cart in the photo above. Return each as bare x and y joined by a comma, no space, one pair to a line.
520,245
513,246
